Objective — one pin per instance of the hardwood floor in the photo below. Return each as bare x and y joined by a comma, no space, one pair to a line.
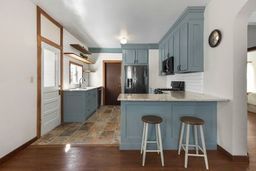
109,158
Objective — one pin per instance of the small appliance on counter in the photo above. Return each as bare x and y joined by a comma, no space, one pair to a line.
175,86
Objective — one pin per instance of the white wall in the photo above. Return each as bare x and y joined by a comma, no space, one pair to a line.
225,70
155,81
96,77
67,40
251,36
17,74
193,81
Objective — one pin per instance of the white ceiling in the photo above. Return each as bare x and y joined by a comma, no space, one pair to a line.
101,23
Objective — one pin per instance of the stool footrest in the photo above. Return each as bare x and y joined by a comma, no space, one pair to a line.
196,155
151,142
190,145
153,151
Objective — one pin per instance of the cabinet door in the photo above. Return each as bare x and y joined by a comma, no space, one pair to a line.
129,56
166,47
94,100
161,57
170,48
176,50
87,104
195,59
184,47
142,56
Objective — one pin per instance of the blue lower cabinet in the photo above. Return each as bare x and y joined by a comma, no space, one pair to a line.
132,125
79,105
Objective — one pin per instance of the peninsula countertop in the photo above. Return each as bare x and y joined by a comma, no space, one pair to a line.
82,89
172,96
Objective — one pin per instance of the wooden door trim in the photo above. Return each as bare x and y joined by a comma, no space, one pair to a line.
49,42
41,39
251,49
104,62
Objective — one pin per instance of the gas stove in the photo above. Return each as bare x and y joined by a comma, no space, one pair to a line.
175,86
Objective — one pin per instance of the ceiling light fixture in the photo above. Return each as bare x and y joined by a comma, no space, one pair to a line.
123,40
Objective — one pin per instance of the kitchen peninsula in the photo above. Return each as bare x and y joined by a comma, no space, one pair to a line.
170,107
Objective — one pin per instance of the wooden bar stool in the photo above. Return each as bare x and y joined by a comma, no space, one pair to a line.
154,120
196,122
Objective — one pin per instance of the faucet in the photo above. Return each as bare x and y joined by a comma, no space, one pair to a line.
81,82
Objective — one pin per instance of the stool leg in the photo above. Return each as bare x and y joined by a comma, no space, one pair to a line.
186,149
181,137
196,138
145,145
157,139
160,144
204,148
143,137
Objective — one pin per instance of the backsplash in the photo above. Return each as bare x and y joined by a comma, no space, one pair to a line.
194,81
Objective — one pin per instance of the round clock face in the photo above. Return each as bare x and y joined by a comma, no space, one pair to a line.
215,38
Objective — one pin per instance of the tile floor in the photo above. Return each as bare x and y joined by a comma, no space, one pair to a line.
103,127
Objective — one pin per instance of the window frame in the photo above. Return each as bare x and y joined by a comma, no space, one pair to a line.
77,64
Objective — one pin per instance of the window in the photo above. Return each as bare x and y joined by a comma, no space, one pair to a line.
50,68
75,73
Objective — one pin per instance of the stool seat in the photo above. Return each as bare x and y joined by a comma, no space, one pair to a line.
151,119
191,120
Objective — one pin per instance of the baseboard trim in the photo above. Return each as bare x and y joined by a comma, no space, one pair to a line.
233,158
12,153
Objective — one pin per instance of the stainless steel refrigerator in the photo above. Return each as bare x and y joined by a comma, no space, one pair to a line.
136,79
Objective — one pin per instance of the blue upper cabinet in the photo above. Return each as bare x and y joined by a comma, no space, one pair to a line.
176,49
166,49
170,45
183,62
135,55
129,56
142,56
195,50
185,42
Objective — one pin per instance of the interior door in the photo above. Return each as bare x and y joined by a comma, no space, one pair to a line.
112,83
50,117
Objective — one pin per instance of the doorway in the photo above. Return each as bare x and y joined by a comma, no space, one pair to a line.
251,100
112,81
50,82
49,73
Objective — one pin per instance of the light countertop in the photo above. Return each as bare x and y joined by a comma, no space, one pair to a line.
172,96
82,89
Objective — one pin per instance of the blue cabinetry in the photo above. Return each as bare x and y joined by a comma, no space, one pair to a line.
79,105
185,42
183,62
135,56
142,56
132,126
129,56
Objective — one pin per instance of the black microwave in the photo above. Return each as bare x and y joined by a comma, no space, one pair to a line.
168,66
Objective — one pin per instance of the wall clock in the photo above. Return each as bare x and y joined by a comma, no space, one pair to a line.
215,38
